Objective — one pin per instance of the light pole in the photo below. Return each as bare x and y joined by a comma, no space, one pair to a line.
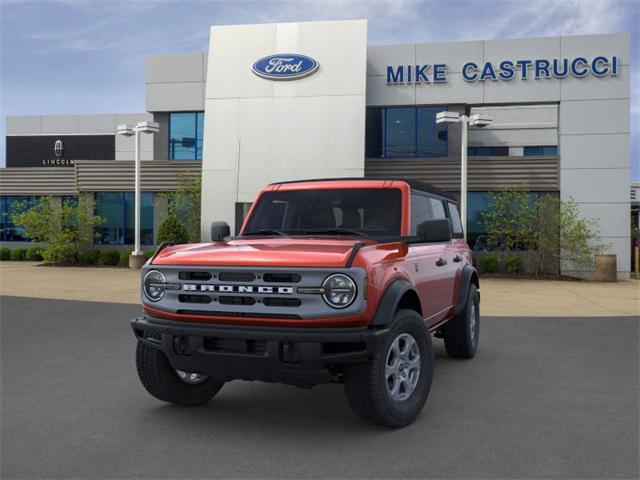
477,120
136,259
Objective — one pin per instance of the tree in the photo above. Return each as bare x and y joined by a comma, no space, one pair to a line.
546,251
184,203
63,227
171,230
579,237
509,219
551,229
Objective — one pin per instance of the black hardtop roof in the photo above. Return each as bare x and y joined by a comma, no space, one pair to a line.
414,184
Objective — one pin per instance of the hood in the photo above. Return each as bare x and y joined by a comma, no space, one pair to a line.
273,252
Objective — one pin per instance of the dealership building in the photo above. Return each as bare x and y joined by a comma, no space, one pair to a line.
286,101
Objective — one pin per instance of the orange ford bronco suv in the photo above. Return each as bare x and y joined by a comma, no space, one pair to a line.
338,280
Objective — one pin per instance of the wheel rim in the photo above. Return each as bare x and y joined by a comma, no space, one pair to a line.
473,323
402,368
191,377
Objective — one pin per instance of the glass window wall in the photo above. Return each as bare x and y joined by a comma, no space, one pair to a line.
185,135
117,209
400,132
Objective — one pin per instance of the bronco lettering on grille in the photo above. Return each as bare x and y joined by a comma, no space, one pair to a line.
192,287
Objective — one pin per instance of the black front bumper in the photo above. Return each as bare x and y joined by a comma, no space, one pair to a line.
299,356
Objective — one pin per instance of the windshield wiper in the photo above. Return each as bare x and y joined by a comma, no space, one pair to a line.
267,231
337,231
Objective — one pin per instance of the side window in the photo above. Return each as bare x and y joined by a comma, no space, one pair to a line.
456,224
420,211
437,207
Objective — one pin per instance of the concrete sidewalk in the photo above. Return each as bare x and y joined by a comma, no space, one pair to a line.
500,297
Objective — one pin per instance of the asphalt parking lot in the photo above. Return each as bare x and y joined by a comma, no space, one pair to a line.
544,398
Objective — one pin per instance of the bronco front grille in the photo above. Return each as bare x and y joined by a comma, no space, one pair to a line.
194,298
282,302
252,292
229,300
196,276
237,277
282,277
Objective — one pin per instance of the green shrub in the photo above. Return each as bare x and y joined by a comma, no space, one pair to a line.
63,227
61,254
5,254
90,257
513,263
489,263
34,254
171,230
124,258
148,253
109,257
18,254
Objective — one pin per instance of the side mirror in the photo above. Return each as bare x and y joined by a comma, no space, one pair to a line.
219,230
437,230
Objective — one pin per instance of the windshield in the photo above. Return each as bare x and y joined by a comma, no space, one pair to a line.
358,212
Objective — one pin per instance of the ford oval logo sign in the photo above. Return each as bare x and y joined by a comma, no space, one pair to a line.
285,66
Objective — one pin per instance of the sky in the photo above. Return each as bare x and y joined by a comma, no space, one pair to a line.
87,56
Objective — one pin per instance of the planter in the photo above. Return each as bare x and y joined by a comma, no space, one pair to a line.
606,268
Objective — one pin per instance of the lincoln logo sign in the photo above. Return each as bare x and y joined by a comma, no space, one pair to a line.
505,70
285,66
58,148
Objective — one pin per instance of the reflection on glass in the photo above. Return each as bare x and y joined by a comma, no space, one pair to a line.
185,135
117,209
405,132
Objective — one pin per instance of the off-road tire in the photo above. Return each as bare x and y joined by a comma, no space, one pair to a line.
365,384
459,341
161,380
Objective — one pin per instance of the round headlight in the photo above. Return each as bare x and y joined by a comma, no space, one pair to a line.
153,285
339,291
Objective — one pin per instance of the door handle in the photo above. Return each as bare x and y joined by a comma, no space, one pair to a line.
441,262
457,258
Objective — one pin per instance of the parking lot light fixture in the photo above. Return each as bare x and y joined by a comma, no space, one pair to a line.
136,259
476,120
125,130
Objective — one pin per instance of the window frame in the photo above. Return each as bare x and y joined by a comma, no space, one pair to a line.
417,193
416,129
123,219
473,151
447,215
295,205
196,114
541,151
5,212
459,234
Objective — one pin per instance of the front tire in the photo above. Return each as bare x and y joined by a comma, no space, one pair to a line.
392,388
165,383
461,334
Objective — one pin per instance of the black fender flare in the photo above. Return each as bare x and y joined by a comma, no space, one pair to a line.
469,276
389,302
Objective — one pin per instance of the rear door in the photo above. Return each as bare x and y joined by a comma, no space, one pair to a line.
459,247
430,266
447,262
